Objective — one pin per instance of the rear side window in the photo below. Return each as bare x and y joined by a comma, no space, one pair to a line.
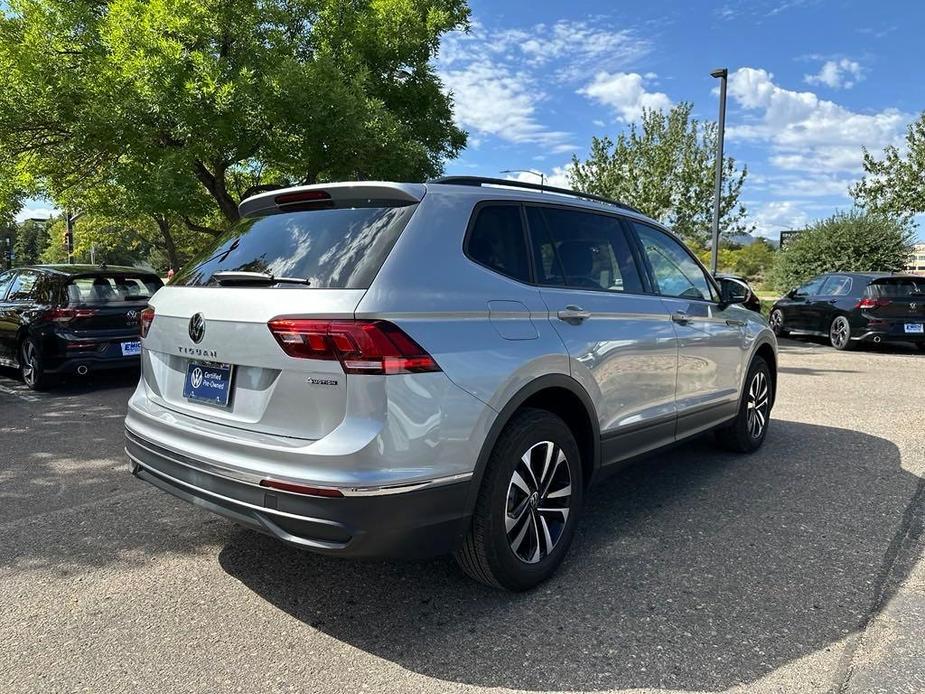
836,285
496,241
581,250
106,289
341,248
896,287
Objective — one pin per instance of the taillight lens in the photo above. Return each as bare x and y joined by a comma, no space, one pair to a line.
66,315
145,318
361,346
867,302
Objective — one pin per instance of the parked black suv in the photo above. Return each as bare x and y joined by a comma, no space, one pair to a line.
853,307
57,319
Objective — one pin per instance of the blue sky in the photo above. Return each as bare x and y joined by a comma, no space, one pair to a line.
811,82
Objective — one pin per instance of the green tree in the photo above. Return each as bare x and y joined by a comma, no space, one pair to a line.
31,240
665,166
221,98
855,241
895,185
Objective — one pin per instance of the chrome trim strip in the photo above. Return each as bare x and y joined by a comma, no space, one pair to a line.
254,480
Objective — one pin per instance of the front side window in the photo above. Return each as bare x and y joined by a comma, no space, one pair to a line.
23,287
5,280
810,288
676,272
497,241
581,250
340,248
836,285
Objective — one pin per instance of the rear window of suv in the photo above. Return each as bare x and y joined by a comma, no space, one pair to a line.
340,248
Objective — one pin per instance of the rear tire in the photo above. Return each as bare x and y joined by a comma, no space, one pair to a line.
528,505
747,431
840,334
31,366
776,321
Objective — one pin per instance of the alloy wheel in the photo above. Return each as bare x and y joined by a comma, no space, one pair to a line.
758,404
839,332
538,501
29,363
777,320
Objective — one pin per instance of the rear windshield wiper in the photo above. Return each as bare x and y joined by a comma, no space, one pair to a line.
240,277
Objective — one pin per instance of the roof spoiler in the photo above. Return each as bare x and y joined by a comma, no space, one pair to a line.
331,195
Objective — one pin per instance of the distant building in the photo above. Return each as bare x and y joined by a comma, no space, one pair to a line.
917,260
787,236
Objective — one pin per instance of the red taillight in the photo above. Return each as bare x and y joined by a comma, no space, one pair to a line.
867,302
145,318
300,488
361,346
305,200
66,315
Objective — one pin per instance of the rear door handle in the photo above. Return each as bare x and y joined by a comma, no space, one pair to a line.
573,314
680,317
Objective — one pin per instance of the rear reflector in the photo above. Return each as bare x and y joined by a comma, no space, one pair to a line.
300,488
361,346
66,315
145,318
867,302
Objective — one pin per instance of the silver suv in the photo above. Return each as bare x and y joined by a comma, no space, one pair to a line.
394,369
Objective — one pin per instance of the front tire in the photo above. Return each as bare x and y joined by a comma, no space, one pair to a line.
840,334
529,502
776,321
747,431
31,366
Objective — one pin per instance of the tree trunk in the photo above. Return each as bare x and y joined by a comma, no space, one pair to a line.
170,246
215,184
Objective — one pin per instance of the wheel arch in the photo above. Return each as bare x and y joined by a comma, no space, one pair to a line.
767,352
563,396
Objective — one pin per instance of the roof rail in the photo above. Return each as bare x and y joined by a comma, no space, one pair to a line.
483,181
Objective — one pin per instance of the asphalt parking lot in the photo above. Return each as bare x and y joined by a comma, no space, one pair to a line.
797,569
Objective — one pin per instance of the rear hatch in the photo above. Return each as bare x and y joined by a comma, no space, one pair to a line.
209,351
899,301
105,305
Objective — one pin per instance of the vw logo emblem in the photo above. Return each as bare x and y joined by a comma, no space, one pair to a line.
196,379
197,327
912,307
131,316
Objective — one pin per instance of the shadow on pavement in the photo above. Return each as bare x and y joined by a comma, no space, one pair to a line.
698,570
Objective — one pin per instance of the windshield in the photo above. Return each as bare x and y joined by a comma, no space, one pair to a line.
111,288
333,248
897,287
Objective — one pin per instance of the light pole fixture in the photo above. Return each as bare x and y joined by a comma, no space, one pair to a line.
528,171
722,74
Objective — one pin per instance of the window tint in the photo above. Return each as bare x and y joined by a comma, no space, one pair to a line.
497,241
104,289
676,272
340,248
810,288
836,285
581,250
23,287
5,279
892,287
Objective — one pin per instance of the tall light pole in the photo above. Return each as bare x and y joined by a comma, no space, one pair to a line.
528,171
69,220
723,75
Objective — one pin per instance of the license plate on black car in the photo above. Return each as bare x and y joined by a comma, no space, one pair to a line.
208,383
915,328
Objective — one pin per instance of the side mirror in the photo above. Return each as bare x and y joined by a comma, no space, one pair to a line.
733,291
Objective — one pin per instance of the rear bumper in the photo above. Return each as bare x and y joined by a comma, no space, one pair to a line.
889,336
93,362
419,523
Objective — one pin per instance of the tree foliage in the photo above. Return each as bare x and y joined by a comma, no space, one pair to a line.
665,166
855,241
31,239
753,261
895,185
177,109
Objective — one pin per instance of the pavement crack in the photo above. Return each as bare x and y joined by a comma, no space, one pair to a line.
901,549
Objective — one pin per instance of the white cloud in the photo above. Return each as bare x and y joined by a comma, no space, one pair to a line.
497,77
625,93
35,210
804,131
837,74
770,218
557,177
